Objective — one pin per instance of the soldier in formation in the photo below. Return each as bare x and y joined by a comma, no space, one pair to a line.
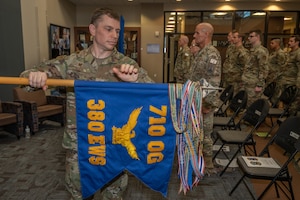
256,69
207,65
236,62
228,56
182,63
277,61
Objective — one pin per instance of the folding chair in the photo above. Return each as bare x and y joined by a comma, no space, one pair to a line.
225,97
287,138
269,91
254,116
287,97
238,103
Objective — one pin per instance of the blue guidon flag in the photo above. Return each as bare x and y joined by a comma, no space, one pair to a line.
124,126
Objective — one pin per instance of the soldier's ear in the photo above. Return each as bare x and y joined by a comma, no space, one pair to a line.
92,29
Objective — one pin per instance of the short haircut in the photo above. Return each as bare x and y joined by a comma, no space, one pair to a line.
99,12
257,32
278,40
297,38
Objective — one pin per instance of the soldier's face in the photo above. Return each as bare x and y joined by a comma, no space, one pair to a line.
230,37
273,44
235,38
199,35
292,43
106,33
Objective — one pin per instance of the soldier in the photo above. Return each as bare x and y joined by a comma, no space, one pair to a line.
291,73
256,70
207,65
194,50
182,64
236,62
226,63
277,61
97,63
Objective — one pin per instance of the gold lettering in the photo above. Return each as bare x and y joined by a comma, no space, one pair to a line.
154,157
95,106
156,146
98,150
96,139
153,120
97,160
160,112
96,115
156,130
96,126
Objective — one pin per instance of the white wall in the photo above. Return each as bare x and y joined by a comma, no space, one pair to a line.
152,21
36,17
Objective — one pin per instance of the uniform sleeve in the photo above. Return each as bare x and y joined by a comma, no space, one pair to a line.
55,68
143,76
298,75
214,71
282,58
263,67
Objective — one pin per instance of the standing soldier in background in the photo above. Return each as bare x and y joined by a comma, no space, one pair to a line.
277,62
256,70
238,59
291,73
182,64
226,64
207,65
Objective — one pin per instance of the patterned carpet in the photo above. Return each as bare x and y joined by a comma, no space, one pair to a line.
33,169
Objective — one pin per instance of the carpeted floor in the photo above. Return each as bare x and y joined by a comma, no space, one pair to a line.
33,169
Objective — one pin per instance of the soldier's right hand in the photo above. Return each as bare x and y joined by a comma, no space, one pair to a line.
38,79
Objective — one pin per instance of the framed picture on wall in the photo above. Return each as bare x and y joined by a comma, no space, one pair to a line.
59,39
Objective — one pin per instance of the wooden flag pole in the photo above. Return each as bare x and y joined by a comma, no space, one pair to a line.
25,81
58,82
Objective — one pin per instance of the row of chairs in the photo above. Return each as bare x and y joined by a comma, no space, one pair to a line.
234,104
31,108
286,137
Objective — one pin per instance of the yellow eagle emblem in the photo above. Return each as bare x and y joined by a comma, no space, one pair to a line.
123,135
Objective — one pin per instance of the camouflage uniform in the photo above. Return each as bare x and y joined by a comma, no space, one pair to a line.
227,64
83,66
237,61
207,65
255,72
277,60
291,76
182,64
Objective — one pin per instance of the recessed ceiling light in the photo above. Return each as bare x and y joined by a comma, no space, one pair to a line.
219,13
130,0
227,0
259,13
178,0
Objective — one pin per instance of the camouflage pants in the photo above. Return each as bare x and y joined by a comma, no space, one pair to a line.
252,94
207,141
113,190
295,106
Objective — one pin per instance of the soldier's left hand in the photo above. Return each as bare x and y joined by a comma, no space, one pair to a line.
126,72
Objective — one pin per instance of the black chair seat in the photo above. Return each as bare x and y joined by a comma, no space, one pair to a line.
231,137
275,111
221,121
